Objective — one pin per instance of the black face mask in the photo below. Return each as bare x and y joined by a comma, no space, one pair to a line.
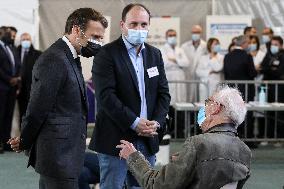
7,39
90,50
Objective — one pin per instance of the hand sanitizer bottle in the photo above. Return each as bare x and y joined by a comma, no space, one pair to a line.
262,96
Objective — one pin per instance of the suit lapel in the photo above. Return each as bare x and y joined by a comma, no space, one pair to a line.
129,64
78,74
146,63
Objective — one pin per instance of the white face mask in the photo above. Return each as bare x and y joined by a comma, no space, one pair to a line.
195,37
136,37
26,44
172,40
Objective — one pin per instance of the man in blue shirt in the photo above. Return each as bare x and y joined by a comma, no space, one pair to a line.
133,97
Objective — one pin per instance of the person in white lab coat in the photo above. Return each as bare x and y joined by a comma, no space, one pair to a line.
209,69
175,61
194,49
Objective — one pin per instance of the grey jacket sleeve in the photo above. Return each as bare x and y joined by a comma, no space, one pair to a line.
171,176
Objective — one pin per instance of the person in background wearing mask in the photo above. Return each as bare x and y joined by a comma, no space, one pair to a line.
28,55
193,49
254,51
250,30
272,68
212,160
132,95
267,34
9,84
54,126
239,65
210,69
175,62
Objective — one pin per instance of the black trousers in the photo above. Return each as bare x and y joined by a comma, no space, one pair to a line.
55,183
7,105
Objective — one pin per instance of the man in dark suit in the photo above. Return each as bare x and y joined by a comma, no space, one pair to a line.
238,65
132,96
9,84
28,55
54,126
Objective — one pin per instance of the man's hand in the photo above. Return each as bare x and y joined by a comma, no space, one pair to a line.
150,130
127,149
15,144
14,81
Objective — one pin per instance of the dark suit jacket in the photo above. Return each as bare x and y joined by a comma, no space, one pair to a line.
118,96
238,65
6,69
54,126
26,75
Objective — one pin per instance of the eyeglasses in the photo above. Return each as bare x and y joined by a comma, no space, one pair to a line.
211,100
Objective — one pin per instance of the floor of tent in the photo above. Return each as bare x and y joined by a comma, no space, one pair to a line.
267,169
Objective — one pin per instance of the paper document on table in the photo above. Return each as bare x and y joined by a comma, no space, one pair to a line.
184,104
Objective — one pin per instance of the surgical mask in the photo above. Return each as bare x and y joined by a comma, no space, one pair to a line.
252,47
274,49
265,38
172,40
91,49
136,37
201,116
26,44
195,37
216,48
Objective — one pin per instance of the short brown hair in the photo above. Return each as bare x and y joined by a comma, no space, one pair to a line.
130,6
80,17
209,43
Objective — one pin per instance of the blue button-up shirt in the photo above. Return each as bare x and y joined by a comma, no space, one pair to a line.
137,62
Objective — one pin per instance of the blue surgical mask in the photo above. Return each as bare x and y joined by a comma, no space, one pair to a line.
216,48
195,37
172,40
265,38
252,47
201,116
26,44
136,37
274,49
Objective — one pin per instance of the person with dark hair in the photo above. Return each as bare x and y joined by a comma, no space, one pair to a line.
132,97
28,55
55,123
250,30
175,62
272,68
210,69
267,34
9,84
254,51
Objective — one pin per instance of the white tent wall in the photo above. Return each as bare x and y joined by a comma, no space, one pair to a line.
264,12
53,14
23,15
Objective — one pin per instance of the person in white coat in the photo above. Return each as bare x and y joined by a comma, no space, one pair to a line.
210,69
194,49
175,61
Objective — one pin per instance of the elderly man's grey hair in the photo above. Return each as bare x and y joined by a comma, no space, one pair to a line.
240,40
234,106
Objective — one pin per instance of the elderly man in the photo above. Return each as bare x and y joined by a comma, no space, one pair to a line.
211,160
194,49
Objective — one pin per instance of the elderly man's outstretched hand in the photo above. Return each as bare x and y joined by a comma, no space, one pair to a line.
127,148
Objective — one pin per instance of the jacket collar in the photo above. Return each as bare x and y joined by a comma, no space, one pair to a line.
223,127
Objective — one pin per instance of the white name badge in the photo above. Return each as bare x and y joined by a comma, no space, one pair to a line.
152,72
